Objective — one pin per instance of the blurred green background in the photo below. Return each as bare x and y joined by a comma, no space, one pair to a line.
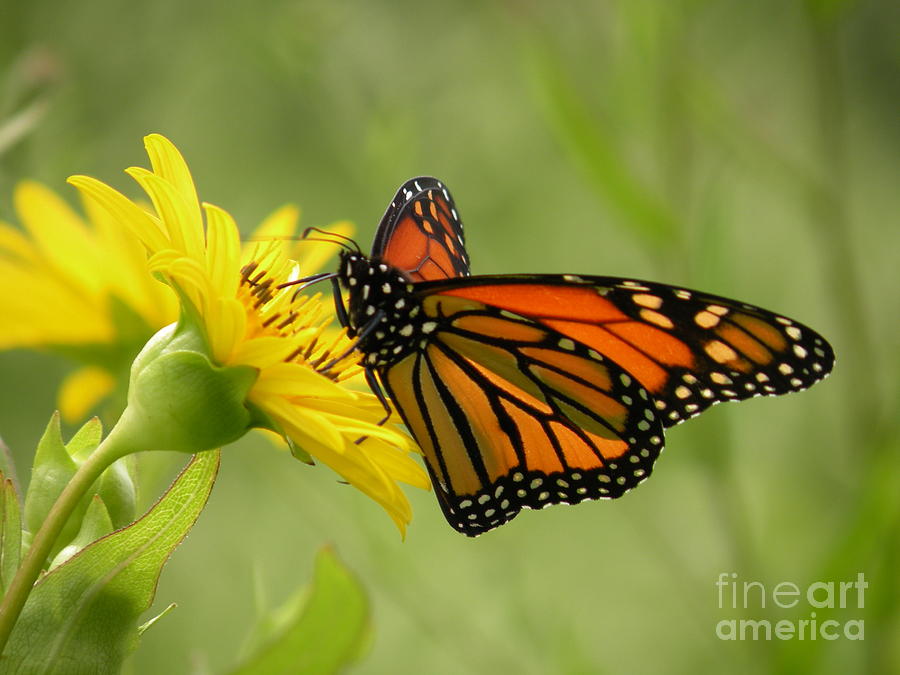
746,148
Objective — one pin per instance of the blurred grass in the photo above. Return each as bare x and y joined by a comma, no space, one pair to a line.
746,148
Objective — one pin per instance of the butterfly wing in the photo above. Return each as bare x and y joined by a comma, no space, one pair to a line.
507,419
536,390
532,390
421,233
688,349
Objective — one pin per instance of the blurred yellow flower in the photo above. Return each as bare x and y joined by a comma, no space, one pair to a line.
248,320
81,287
78,286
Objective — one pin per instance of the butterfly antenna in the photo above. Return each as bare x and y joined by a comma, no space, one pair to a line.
304,282
341,240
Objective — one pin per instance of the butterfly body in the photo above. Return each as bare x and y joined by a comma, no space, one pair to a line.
383,310
530,390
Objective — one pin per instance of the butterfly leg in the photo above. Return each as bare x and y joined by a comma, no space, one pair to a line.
378,390
368,328
339,308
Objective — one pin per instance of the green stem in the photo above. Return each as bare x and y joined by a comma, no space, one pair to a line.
112,448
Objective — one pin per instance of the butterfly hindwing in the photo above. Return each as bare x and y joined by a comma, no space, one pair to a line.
421,233
510,415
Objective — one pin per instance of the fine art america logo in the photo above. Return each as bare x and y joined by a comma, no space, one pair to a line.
816,609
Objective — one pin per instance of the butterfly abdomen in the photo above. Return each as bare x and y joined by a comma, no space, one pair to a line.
382,310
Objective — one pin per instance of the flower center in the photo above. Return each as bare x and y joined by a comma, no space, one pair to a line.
282,312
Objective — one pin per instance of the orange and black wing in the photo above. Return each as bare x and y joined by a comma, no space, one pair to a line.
421,233
512,414
688,349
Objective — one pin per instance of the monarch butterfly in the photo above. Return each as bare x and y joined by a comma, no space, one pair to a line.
532,389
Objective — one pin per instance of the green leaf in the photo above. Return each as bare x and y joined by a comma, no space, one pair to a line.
96,524
82,616
116,485
52,470
10,532
85,440
8,464
55,462
321,635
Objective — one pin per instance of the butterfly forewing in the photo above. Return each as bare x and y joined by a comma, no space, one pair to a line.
689,349
421,233
511,414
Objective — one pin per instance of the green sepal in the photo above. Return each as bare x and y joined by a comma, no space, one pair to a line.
10,532
190,404
172,338
321,630
107,586
96,524
150,623
179,400
299,453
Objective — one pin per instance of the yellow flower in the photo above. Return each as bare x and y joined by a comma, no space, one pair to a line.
249,320
78,286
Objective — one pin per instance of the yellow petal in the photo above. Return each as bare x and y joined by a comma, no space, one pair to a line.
41,307
129,214
82,390
292,379
59,233
13,244
225,327
263,352
169,164
125,268
191,278
358,429
396,464
185,232
349,407
223,249
304,427
356,468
